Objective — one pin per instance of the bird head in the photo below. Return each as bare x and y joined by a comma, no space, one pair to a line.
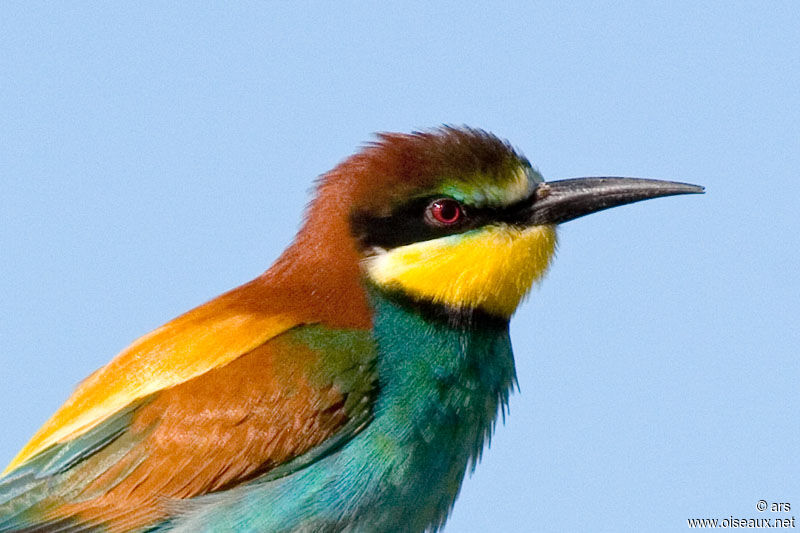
455,217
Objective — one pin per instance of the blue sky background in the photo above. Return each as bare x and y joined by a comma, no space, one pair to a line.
152,157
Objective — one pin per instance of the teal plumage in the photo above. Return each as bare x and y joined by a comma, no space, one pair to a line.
441,385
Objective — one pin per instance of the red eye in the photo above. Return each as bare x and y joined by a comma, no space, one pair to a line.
444,212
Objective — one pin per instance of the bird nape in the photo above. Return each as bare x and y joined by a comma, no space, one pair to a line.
347,388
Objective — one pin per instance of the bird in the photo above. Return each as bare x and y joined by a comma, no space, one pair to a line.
351,386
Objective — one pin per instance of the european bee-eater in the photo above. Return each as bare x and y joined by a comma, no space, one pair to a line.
350,386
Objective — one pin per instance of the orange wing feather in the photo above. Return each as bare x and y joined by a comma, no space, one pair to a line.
308,283
229,425
206,337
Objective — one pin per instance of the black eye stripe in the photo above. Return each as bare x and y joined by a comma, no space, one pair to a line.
407,225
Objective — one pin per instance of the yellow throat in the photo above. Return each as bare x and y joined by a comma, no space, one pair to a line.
491,268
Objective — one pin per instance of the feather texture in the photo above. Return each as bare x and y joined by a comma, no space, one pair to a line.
327,393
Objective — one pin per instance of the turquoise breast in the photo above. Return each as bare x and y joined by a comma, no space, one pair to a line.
443,380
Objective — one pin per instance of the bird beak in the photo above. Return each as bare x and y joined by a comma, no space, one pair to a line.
559,201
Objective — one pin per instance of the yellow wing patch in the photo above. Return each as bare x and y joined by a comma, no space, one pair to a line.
207,337
491,268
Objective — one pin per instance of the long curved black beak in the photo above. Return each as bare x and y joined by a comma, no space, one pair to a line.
559,201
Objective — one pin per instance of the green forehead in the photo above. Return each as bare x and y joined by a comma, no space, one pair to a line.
481,190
